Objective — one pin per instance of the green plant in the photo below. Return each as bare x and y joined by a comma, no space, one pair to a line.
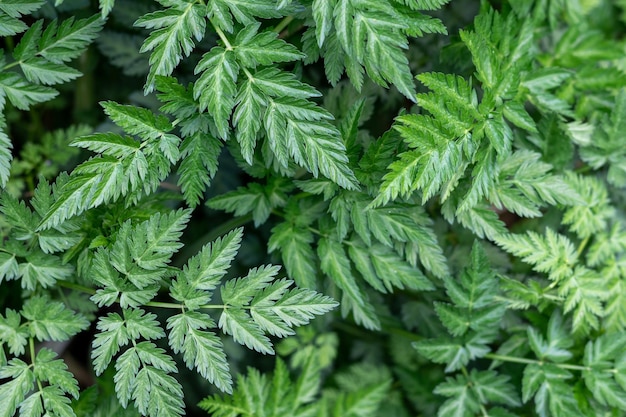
468,225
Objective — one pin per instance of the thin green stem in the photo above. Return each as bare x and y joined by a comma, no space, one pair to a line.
505,358
582,245
176,306
11,65
228,45
164,305
223,37
513,359
31,348
283,24
404,333
159,304
77,287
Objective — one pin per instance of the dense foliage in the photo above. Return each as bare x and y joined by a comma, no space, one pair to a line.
439,182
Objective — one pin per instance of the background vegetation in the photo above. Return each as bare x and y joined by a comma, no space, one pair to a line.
186,184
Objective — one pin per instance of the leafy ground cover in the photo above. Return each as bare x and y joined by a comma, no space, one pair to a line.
313,208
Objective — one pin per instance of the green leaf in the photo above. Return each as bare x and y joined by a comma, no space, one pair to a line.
247,118
415,169
556,347
105,7
299,129
256,393
553,254
64,42
452,353
122,50
383,269
584,295
44,270
173,31
296,251
20,217
116,331
15,389
364,402
258,49
10,26
41,71
157,393
12,332
552,395
278,307
255,305
21,93
598,376
201,350
593,215
126,366
203,272
111,336
9,268
199,160
106,178
243,11
51,320
14,8
604,148
403,223
245,331
56,402
244,200
336,265
152,243
5,152
323,15
28,45
55,371
138,121
216,88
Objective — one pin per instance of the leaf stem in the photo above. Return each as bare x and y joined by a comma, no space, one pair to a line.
505,358
77,287
582,246
159,304
222,36
283,24
11,65
31,348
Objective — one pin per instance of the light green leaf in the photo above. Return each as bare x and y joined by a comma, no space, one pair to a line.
137,121
51,320
15,389
49,369
64,42
199,159
201,350
173,31
21,93
12,332
44,270
216,88
553,254
41,71
258,49
297,253
244,330
14,8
